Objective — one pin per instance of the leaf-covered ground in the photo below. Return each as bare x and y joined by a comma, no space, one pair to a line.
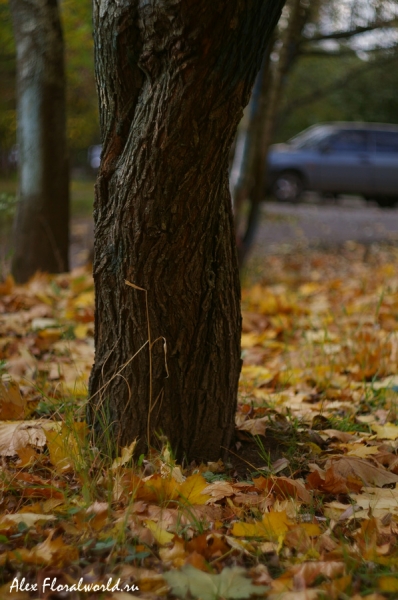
305,507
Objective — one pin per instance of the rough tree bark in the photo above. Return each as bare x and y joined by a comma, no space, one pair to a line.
172,77
42,220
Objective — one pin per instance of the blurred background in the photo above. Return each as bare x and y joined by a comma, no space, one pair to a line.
330,60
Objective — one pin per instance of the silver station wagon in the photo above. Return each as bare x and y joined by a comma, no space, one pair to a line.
338,158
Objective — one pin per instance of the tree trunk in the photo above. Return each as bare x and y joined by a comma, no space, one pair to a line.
242,185
172,79
252,182
42,220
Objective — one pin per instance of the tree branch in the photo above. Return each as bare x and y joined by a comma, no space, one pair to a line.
338,35
336,84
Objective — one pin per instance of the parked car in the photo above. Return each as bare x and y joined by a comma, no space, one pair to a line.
338,158
94,156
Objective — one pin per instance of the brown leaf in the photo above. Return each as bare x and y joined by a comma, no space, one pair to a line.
217,491
358,468
208,545
311,570
12,405
331,481
52,551
283,487
19,434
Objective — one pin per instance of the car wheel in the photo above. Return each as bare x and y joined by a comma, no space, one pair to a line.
386,201
288,187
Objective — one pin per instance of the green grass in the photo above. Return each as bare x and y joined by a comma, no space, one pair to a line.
82,197
82,194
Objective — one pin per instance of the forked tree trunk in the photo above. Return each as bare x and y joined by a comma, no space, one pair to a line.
42,220
172,79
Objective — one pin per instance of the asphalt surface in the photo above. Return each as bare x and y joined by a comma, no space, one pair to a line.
284,227
317,221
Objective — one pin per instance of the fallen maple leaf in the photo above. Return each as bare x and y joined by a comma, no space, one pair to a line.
53,552
388,584
379,501
358,468
157,489
17,434
283,487
231,583
126,456
331,481
29,519
175,554
296,595
12,405
389,431
63,445
162,536
309,571
218,490
192,490
361,451
255,426
272,527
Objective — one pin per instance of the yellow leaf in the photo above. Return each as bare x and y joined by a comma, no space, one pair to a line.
63,445
259,375
361,451
248,340
389,431
162,536
126,455
273,527
307,289
311,529
388,584
315,449
84,300
158,489
81,330
191,489
248,529
277,523
27,456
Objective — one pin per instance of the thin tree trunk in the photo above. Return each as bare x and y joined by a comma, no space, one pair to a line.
42,220
249,139
262,124
172,79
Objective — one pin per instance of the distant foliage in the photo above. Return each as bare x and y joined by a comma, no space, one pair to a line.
83,127
7,206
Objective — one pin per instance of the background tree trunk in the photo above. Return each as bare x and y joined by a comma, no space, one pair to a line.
42,220
172,79
251,183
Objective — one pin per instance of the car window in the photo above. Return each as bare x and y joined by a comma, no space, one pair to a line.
386,141
349,141
309,138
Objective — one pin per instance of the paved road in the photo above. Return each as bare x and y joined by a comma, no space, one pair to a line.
312,222
326,222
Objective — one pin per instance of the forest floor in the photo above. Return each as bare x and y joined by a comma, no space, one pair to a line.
305,507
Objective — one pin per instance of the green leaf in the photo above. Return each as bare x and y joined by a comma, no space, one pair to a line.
230,584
